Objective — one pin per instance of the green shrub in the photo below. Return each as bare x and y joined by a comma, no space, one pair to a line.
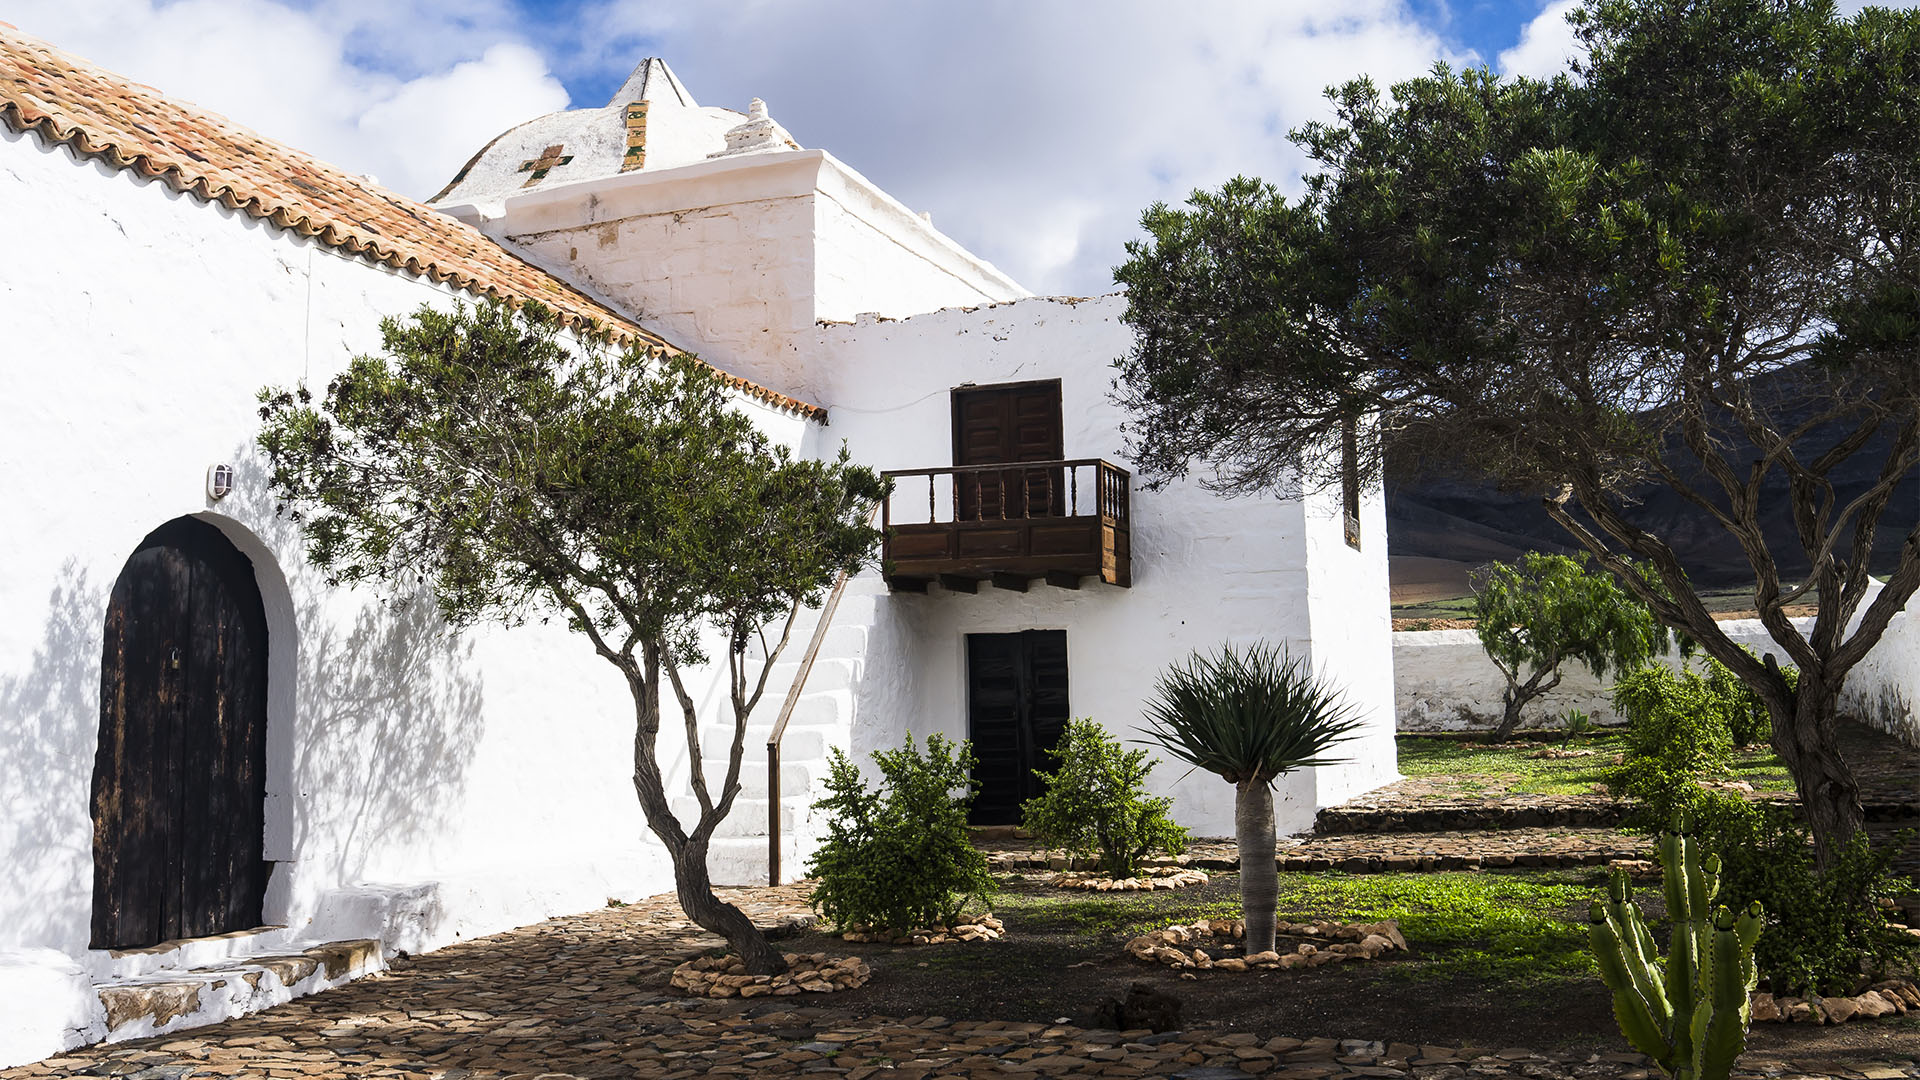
1576,724
1676,733
1748,722
1825,932
899,857
1096,803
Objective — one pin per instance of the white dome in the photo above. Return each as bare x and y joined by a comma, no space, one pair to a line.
651,123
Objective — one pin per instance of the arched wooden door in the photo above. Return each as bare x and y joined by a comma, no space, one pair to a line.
179,780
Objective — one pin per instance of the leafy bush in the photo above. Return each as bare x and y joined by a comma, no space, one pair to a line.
1096,802
1677,732
1825,932
899,857
1576,724
1682,726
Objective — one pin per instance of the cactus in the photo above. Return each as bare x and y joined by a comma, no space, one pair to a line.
1690,1012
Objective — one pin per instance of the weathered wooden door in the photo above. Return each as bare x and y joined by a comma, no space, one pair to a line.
1010,422
1016,709
179,779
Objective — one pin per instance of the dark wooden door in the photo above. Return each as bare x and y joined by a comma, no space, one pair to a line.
1011,422
179,779
1016,709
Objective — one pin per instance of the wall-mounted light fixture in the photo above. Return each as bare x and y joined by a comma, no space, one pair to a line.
219,481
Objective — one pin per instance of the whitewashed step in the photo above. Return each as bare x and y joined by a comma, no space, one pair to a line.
797,778
747,818
144,1005
743,861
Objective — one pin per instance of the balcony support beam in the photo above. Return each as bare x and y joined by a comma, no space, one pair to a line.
1063,579
1010,582
955,583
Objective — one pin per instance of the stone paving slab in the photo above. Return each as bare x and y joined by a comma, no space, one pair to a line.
1372,853
559,1000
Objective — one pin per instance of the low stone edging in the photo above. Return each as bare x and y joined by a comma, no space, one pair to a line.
1339,942
1162,877
1891,998
811,973
985,928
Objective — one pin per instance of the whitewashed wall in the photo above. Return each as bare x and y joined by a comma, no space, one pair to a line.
740,256
481,778
1206,569
1443,680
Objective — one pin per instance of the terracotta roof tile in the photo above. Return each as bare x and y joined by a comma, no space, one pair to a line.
105,116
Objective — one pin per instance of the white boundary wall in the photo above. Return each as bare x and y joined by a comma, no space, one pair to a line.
1443,681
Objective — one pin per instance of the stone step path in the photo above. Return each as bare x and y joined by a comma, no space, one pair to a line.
1373,853
572,998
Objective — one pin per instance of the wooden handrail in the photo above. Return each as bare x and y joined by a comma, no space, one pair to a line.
786,713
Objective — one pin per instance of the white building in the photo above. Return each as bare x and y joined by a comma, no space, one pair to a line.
373,779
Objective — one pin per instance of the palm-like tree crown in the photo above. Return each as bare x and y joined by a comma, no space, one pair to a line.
1248,715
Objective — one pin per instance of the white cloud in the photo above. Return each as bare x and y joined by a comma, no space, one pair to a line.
1546,46
308,78
1035,133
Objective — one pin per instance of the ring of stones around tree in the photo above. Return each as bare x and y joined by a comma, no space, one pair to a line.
984,928
1158,877
1184,945
811,973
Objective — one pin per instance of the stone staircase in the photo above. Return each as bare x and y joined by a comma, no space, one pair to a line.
822,721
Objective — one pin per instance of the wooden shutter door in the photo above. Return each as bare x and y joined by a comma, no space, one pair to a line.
1008,423
1016,709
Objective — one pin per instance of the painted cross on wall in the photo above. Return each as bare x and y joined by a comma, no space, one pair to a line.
543,164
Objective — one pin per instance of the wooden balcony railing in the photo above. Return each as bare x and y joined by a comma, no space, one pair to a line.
1011,524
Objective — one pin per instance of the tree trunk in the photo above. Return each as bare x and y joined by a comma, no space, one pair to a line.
1509,719
689,853
1259,880
697,900
1803,726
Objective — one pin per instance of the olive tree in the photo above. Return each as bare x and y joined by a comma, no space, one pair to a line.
1540,611
1690,265
515,473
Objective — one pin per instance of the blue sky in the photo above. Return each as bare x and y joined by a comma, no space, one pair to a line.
1034,131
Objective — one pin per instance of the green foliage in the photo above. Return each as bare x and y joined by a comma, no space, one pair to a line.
1690,1011
1576,724
1586,289
1681,728
1247,715
1096,803
1544,610
514,473
1748,722
1826,931
899,857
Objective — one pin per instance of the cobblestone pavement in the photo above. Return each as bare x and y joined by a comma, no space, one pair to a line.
577,997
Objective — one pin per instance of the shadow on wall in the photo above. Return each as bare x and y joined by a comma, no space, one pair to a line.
387,713
46,772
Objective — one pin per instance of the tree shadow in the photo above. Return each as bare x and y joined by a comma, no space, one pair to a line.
46,772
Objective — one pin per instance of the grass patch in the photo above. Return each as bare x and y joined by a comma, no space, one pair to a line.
1521,927
1473,769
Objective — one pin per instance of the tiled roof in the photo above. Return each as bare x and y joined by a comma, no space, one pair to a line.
104,116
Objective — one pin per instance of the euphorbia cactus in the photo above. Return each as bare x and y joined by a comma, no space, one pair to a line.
1690,1012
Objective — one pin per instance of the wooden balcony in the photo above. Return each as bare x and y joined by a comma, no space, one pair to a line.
1054,521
